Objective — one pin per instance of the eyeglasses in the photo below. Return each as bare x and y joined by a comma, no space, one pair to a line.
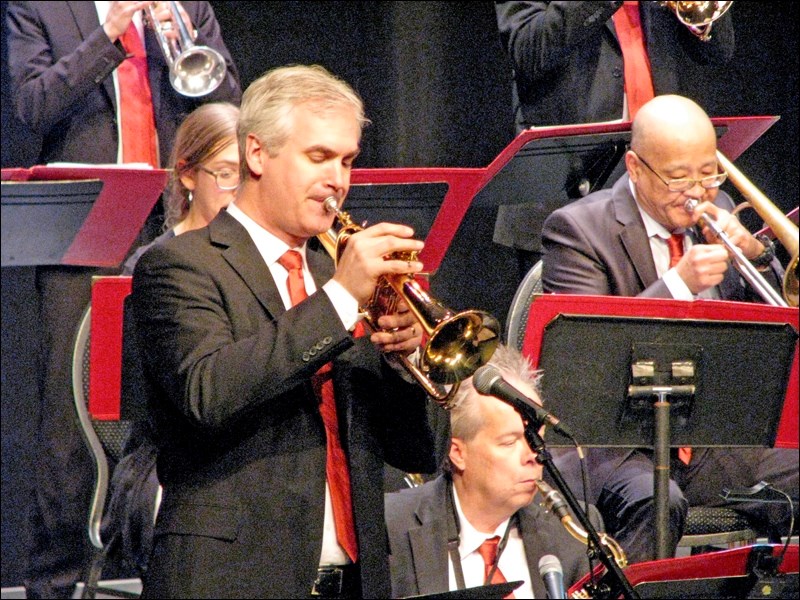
685,184
226,179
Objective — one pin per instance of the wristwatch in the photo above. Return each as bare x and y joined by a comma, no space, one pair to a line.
763,260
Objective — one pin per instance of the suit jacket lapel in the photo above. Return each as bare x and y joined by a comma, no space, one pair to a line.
633,234
242,255
429,541
85,16
535,539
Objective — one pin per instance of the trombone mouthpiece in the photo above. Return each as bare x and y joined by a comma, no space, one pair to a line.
690,205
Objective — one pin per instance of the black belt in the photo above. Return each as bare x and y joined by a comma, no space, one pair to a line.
337,582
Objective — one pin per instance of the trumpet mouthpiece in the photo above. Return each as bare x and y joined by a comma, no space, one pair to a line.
331,205
690,205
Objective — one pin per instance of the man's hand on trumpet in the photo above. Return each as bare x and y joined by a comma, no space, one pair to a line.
400,332
120,15
162,12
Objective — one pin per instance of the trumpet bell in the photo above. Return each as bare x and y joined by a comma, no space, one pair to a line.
197,71
460,345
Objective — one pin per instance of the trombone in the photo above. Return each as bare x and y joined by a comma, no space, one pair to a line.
193,70
782,227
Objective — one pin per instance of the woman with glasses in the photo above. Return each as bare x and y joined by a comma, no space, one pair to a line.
205,175
205,172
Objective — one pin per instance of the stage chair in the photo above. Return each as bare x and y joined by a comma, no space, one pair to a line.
717,527
517,320
105,438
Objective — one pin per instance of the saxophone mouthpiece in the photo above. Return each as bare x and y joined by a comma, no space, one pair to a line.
690,205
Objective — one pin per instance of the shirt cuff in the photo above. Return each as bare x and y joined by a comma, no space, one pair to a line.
344,303
676,286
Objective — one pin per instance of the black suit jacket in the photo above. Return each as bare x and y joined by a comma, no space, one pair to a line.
61,62
241,440
568,63
568,69
417,520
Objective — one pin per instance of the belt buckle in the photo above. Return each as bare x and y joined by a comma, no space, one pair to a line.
329,582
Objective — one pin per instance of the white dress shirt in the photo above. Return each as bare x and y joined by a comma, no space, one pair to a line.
513,562
271,249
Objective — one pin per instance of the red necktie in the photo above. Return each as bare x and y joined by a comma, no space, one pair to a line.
139,142
638,76
675,244
336,465
488,551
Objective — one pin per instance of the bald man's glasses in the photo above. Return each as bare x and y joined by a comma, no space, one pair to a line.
685,184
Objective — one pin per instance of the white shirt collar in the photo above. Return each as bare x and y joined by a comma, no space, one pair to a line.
470,538
269,246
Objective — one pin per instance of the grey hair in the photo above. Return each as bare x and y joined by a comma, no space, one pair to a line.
268,102
465,416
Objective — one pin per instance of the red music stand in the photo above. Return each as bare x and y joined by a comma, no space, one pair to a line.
83,215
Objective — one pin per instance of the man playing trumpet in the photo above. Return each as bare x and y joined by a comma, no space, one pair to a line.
273,416
638,239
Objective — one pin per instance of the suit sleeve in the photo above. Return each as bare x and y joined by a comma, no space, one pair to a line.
211,349
540,36
46,90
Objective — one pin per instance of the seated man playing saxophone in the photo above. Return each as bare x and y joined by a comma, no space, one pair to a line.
485,500
638,239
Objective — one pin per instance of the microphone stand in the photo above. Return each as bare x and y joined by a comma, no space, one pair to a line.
544,457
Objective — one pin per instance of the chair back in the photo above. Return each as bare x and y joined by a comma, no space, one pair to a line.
517,320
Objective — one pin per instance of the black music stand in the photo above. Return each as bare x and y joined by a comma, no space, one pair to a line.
660,383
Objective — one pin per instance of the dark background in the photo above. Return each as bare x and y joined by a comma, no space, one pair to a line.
436,85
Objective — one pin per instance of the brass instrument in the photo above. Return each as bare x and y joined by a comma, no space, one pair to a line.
781,225
193,70
458,343
554,503
698,16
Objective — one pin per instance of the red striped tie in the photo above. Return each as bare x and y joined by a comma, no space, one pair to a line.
139,142
336,464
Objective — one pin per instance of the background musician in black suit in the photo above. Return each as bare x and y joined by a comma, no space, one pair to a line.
487,491
237,363
63,60
615,242
568,68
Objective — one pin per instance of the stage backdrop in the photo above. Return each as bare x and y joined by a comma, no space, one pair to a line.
437,87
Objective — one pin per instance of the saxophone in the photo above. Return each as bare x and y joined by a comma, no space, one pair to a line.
555,503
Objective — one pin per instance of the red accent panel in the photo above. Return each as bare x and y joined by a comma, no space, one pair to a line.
105,346
117,216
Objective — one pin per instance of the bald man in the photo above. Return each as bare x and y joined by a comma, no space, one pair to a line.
615,242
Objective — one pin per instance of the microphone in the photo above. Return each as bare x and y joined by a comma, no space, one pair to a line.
553,576
488,380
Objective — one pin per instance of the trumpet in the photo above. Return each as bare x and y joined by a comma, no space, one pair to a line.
698,16
458,343
193,70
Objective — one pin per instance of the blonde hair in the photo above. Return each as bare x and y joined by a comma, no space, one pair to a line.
207,131
268,102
